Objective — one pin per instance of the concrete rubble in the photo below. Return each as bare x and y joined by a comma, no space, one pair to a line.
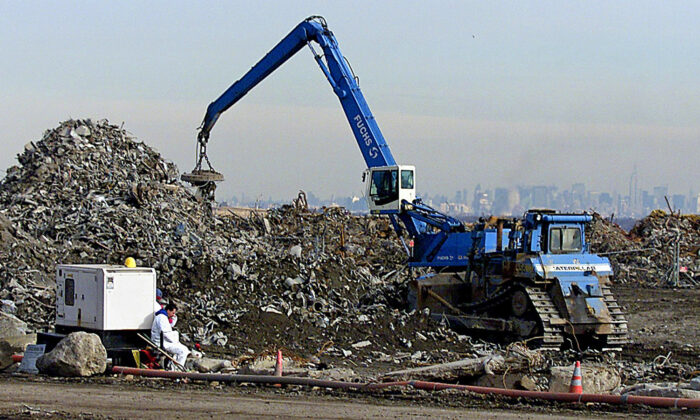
596,379
664,389
14,338
209,365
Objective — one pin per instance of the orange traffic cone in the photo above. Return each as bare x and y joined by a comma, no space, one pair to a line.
576,386
278,366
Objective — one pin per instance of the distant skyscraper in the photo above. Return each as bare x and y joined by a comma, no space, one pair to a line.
660,193
513,200
633,190
500,202
678,202
476,206
605,200
540,197
578,197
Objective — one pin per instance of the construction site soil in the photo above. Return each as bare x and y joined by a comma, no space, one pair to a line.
662,321
326,287
119,398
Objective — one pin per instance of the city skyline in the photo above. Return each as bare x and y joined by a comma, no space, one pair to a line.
513,200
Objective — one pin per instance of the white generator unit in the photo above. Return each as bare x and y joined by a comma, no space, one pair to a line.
104,298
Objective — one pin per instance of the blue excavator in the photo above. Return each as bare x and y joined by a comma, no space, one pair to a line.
532,278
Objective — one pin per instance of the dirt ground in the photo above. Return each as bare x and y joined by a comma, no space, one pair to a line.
117,399
660,321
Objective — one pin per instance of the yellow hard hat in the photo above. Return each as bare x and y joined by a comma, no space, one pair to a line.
130,262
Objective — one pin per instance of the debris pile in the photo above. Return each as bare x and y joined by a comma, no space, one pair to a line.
319,283
661,249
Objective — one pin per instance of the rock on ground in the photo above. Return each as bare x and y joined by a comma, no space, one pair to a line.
596,379
79,354
668,390
207,365
11,326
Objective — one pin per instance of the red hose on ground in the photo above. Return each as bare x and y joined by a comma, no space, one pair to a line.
429,386
566,397
17,358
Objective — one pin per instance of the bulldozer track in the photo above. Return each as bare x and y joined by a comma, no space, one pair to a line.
619,334
552,331
548,314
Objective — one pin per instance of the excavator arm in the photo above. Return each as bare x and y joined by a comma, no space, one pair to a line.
400,203
334,66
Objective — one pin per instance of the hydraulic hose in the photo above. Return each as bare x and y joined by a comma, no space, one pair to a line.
428,386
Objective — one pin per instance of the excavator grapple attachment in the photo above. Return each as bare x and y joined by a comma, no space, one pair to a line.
198,178
204,180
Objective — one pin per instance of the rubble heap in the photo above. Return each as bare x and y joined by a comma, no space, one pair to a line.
325,282
646,256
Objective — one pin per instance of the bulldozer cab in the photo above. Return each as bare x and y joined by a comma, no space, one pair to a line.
386,187
556,233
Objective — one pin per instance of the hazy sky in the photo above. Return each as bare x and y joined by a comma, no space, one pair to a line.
497,93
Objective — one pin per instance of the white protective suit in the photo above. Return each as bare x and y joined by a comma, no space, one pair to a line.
157,306
171,338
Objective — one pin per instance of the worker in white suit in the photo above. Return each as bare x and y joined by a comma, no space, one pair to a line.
163,330
160,304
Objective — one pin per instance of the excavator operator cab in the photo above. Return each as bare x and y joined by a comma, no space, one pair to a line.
388,186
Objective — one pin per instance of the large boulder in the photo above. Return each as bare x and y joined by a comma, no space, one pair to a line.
13,338
596,379
79,354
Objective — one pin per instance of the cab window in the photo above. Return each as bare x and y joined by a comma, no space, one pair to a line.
385,187
406,180
564,239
